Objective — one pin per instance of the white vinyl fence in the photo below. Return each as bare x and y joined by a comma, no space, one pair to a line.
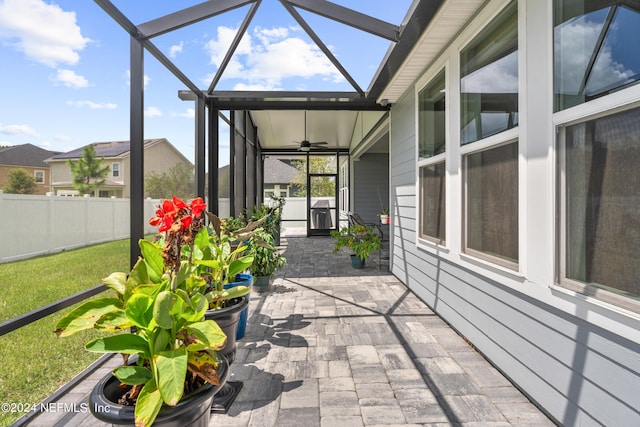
36,225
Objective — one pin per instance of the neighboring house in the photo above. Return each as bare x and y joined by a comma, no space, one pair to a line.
277,178
514,182
159,157
28,157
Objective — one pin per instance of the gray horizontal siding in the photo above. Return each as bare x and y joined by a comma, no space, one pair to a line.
371,186
581,374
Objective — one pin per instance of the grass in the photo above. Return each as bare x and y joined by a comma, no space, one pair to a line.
35,362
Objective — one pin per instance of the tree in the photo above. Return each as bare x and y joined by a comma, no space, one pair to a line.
88,172
19,181
323,186
177,181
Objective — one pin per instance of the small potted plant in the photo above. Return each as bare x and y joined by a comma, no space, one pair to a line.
384,216
163,302
359,239
266,260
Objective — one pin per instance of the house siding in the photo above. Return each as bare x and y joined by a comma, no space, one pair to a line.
371,186
41,188
576,358
159,157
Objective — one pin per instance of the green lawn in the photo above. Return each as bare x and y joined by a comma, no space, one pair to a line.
35,362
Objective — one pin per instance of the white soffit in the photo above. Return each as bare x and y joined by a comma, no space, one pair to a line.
449,20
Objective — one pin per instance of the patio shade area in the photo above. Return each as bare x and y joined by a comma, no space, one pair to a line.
330,345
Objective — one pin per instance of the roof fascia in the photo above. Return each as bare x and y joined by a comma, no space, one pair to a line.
420,15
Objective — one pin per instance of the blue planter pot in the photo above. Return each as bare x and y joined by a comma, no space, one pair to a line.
356,262
242,280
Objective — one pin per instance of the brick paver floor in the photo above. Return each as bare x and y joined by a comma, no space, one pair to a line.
333,346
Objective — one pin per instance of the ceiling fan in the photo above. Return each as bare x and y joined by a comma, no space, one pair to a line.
305,145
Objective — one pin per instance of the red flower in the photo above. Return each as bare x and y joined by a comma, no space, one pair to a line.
177,213
179,203
164,216
197,206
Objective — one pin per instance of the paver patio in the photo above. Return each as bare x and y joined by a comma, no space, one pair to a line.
333,346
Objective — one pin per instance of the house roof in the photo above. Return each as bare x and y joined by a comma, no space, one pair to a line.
105,149
25,155
278,172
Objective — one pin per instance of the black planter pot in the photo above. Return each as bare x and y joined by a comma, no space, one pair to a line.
262,283
193,410
228,318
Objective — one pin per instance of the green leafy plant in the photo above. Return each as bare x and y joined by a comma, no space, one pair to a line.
266,258
221,253
384,211
360,239
89,172
19,181
164,299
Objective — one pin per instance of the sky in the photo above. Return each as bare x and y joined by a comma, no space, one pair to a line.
64,66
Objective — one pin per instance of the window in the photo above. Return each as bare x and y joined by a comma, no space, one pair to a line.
489,79
431,148
595,49
489,107
492,205
432,202
600,226
115,170
39,176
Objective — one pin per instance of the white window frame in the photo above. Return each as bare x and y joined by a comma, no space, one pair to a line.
505,138
36,173
601,107
115,167
426,241
449,60
508,136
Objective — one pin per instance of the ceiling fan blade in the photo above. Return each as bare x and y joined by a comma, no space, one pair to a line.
318,143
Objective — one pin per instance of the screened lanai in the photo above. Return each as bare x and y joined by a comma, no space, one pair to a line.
345,124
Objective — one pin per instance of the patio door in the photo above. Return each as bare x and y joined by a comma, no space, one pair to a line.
322,194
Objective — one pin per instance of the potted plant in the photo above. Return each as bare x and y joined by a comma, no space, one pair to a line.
163,302
223,256
266,260
384,216
360,239
278,206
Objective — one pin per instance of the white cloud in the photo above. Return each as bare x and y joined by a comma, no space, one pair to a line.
175,49
70,79
575,40
500,76
93,105
43,32
22,130
152,112
267,57
218,48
